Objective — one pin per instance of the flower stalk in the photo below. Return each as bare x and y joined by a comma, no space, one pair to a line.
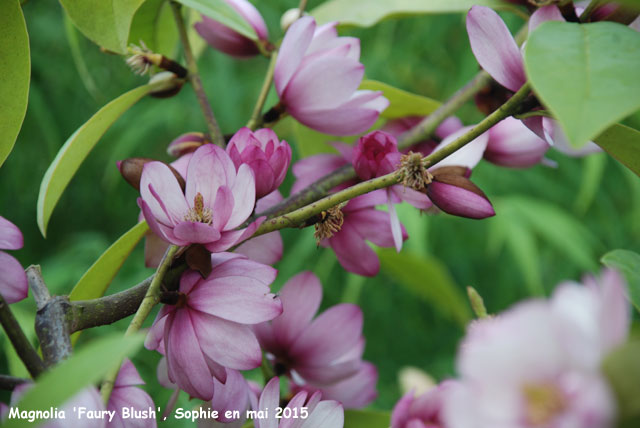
256,117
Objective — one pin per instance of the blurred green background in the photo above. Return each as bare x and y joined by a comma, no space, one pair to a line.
552,224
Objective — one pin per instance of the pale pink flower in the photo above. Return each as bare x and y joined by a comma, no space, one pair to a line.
13,280
127,394
317,75
324,353
267,156
209,327
423,411
217,200
226,40
319,413
512,144
538,364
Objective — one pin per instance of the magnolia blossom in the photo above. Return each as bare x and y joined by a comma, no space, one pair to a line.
13,280
319,413
267,156
423,411
230,396
319,354
217,200
317,75
513,145
208,328
127,394
227,40
185,144
397,127
538,364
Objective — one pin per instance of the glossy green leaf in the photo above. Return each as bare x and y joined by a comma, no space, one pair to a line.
105,22
96,280
366,419
153,25
311,142
622,368
223,13
15,68
365,13
76,149
429,279
628,263
623,143
586,74
401,103
83,368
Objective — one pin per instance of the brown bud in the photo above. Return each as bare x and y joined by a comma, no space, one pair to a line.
451,170
199,258
131,170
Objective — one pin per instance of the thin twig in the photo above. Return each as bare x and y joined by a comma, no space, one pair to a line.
8,383
20,343
194,77
256,117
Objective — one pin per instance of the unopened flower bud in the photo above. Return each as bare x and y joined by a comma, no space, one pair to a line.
375,154
289,17
457,195
512,144
169,84
186,143
131,170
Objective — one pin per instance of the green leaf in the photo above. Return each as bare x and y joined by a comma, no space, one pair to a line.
628,263
365,13
401,103
82,369
366,419
154,25
623,143
96,280
220,11
15,68
429,279
76,149
592,175
622,368
597,83
105,22
311,142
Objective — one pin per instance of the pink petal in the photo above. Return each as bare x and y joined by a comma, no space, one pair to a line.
196,233
292,50
230,238
269,400
543,14
169,206
238,299
313,168
230,344
155,335
327,414
469,155
128,375
222,207
13,280
301,297
231,265
154,249
368,200
512,144
400,413
128,397
330,335
231,395
394,222
356,391
373,225
459,202
264,177
353,253
328,374
244,197
412,197
249,12
209,168
266,249
186,364
494,47
10,235
616,308
225,39
159,230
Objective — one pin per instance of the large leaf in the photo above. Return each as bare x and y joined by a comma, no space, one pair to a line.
82,369
622,368
366,419
365,13
106,22
220,11
76,149
586,74
401,103
15,68
628,263
153,25
429,279
623,143
95,281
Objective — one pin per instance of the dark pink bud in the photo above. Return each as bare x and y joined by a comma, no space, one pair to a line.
457,195
513,145
375,154
268,157
186,143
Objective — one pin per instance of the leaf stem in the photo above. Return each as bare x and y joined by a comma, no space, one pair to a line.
194,77
256,117
151,298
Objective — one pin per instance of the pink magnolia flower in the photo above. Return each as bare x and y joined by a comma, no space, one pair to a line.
317,75
267,156
538,364
266,249
208,329
423,411
127,394
217,200
319,413
513,145
322,354
13,280
226,40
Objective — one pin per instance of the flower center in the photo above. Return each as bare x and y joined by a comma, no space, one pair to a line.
330,223
199,213
413,172
543,403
